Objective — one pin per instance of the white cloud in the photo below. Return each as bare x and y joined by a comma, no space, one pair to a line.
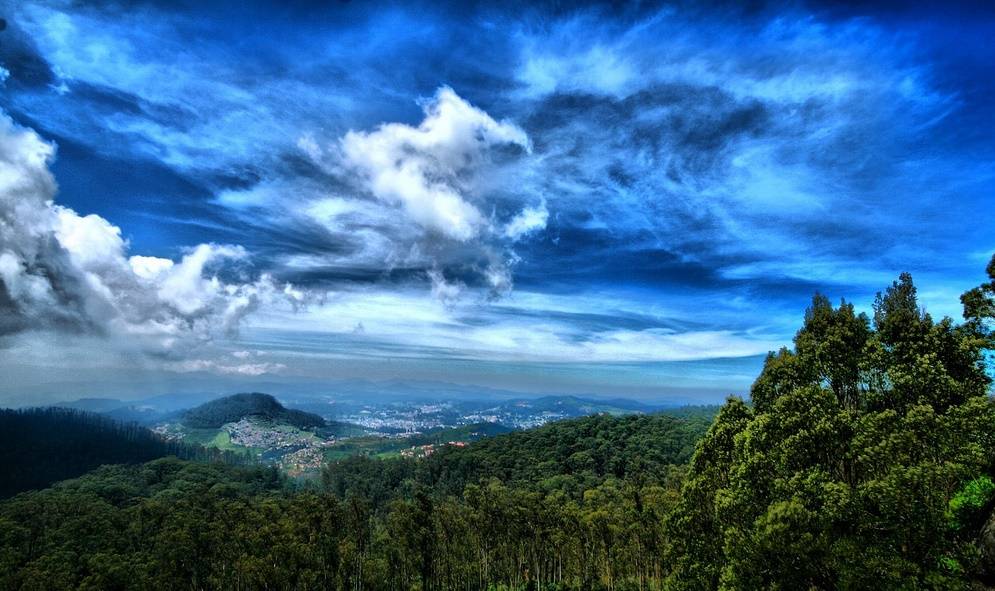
61,271
186,288
93,243
421,168
262,195
309,146
535,329
149,268
242,369
596,68
499,278
529,220
442,290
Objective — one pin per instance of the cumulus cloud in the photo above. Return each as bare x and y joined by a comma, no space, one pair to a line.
433,197
62,271
423,169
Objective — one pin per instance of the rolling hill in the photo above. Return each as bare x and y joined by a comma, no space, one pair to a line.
214,414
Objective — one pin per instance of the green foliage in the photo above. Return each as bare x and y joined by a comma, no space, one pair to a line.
390,447
979,303
592,522
570,456
968,504
865,445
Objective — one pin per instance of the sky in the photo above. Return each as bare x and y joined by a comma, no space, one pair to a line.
630,199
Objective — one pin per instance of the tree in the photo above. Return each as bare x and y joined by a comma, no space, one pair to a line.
855,468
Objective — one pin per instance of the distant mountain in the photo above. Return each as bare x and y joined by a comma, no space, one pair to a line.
229,409
146,411
411,391
118,410
99,405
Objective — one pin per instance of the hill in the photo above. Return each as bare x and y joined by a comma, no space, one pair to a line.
603,445
230,409
569,456
573,406
41,446
146,411
465,433
97,405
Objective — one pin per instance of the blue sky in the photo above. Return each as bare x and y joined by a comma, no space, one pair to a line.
628,201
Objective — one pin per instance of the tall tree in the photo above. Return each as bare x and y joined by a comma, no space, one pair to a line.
863,444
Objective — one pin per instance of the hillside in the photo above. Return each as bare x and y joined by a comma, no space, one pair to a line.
603,445
230,409
41,446
568,456
583,476
573,406
465,433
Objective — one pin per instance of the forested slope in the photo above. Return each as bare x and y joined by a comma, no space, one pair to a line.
171,524
569,456
41,446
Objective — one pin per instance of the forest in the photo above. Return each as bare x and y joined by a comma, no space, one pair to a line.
40,446
863,459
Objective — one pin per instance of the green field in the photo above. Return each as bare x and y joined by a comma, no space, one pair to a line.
216,438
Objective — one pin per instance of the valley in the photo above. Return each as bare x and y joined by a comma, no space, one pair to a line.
309,431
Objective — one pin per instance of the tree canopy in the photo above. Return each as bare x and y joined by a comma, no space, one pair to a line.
864,463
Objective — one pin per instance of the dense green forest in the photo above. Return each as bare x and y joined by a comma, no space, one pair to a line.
864,460
565,457
40,446
582,503
214,414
